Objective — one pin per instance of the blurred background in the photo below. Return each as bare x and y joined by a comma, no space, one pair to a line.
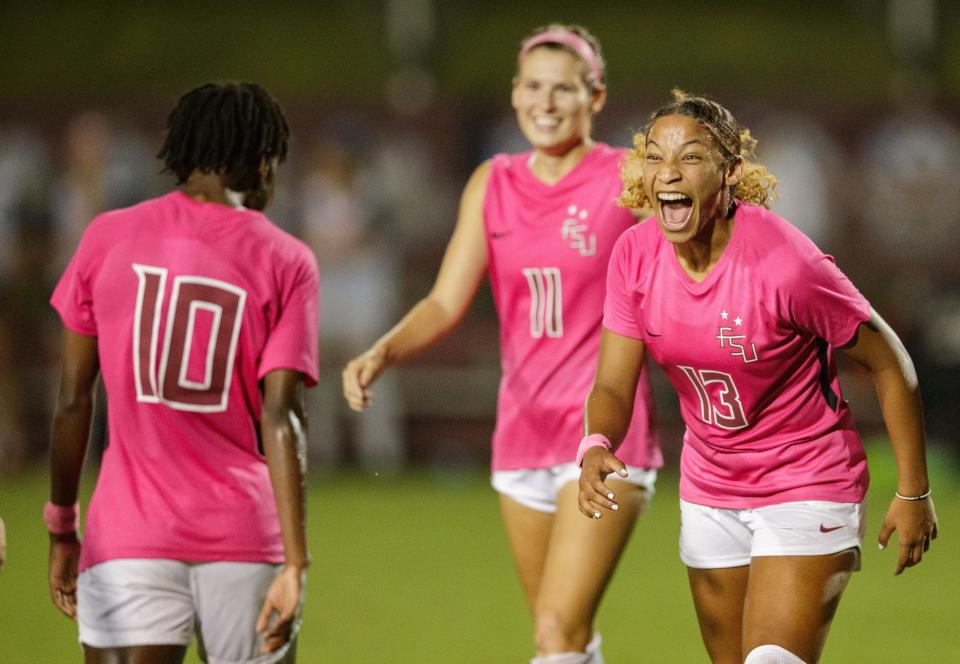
392,103
856,105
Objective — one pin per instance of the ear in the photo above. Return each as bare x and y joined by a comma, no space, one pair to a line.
599,98
734,173
267,169
515,92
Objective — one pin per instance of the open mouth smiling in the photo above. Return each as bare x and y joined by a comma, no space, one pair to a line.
675,209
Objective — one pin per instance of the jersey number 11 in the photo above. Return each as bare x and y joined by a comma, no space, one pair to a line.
546,301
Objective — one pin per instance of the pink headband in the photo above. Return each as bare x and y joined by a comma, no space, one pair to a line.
571,40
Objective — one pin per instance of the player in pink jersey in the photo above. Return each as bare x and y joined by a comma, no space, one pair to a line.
202,317
542,224
743,313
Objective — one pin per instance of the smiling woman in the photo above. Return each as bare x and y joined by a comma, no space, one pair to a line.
543,224
743,313
734,145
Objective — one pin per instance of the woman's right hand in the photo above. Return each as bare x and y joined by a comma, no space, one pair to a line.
359,374
62,572
598,462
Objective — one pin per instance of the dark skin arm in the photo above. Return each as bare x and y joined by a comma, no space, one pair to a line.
284,432
80,366
877,348
608,411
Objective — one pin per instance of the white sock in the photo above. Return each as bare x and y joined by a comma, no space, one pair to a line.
593,649
770,654
591,656
564,658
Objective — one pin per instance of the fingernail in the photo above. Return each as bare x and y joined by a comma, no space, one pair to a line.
623,472
610,495
880,546
596,515
614,507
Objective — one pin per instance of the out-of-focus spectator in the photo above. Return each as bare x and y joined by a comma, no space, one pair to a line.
415,194
27,339
912,203
911,208
359,282
105,166
23,165
806,160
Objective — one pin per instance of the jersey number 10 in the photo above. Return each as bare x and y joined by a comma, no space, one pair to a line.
202,323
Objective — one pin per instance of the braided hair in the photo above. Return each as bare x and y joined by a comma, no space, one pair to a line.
757,184
227,128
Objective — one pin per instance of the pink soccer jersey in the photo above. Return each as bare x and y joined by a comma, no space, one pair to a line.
548,249
192,304
749,351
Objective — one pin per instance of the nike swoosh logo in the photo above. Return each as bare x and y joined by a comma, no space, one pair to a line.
497,236
824,529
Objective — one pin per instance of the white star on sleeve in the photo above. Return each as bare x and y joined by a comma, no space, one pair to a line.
724,315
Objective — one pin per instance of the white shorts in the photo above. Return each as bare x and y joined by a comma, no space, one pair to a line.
712,537
537,488
139,602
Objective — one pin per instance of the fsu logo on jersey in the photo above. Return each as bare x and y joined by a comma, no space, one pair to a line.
576,232
729,339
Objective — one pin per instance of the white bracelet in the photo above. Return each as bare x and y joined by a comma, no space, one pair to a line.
922,496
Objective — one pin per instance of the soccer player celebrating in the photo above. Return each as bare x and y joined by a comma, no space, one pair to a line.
202,316
743,312
542,223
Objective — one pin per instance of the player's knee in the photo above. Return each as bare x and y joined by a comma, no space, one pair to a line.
556,633
771,654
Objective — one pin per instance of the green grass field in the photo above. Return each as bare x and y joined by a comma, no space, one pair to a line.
417,570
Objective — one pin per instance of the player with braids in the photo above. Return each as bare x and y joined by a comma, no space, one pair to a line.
229,128
744,313
542,224
202,316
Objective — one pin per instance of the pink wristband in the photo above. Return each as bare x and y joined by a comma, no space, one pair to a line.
61,519
593,440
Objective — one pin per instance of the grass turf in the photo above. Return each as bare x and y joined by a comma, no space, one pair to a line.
416,569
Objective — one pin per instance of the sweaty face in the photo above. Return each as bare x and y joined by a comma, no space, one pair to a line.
684,176
553,101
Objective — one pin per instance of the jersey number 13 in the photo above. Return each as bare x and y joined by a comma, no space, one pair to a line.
724,408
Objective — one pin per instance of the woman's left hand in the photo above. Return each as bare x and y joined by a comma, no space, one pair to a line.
916,524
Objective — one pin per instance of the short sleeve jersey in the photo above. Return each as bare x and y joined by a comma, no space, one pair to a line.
548,248
750,352
192,305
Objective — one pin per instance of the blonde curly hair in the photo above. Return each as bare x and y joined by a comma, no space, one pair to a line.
757,184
